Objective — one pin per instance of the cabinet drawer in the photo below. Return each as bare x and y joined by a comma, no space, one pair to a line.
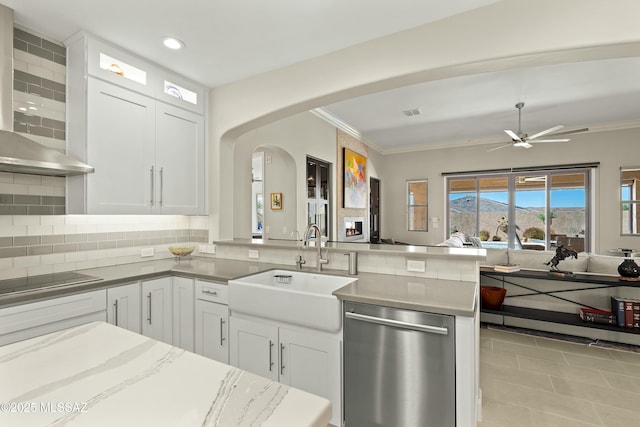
212,291
26,316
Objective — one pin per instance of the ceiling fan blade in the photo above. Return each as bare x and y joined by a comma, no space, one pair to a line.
550,140
569,132
522,144
513,135
544,132
499,147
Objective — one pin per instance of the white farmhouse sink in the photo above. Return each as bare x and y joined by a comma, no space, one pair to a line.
294,297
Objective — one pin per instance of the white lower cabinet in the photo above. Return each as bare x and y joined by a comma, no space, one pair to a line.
123,307
311,363
212,320
254,347
183,306
212,330
302,358
38,318
157,312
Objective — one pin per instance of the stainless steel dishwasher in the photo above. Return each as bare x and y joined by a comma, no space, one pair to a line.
399,367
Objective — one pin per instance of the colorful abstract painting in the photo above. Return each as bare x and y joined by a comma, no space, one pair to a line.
355,180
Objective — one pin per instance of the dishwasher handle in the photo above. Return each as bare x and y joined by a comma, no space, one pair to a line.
397,323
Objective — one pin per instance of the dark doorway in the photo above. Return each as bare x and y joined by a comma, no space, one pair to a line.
374,210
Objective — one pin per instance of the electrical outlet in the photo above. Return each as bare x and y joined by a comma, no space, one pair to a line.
147,252
417,266
254,254
211,249
202,249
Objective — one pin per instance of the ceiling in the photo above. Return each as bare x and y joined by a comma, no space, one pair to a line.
235,39
476,109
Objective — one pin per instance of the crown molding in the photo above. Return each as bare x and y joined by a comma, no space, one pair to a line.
345,127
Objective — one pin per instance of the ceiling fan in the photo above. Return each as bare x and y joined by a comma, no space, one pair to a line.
521,139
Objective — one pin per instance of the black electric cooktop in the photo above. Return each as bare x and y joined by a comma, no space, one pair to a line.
44,281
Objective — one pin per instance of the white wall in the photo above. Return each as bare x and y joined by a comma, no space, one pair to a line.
486,39
279,177
612,149
300,135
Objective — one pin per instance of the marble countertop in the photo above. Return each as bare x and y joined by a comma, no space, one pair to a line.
412,293
439,296
101,375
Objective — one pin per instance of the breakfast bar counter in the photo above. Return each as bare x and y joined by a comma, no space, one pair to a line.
101,375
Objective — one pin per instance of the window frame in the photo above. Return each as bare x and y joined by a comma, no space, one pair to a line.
633,203
588,170
413,205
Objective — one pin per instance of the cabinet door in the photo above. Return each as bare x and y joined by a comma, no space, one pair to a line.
254,347
120,146
311,363
212,330
180,161
123,307
183,303
156,309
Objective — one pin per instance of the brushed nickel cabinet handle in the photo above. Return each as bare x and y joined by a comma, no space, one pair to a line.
161,185
149,305
222,322
270,358
281,359
152,186
115,311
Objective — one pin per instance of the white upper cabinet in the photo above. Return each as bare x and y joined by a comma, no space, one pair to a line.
121,133
141,127
180,160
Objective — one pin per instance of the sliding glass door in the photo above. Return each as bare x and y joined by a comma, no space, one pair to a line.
532,210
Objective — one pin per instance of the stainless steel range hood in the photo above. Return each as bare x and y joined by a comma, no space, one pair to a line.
19,154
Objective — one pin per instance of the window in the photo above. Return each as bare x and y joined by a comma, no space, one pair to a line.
529,209
630,198
417,205
180,92
123,69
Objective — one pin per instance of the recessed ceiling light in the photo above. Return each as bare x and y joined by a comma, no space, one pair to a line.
173,43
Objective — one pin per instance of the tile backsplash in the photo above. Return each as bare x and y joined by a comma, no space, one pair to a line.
39,88
39,106
42,244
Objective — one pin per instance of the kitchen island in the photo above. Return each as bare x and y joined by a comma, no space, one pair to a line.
101,375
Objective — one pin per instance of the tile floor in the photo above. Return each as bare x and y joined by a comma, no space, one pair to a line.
533,381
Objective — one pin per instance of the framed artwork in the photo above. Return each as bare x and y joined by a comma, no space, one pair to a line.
276,201
355,180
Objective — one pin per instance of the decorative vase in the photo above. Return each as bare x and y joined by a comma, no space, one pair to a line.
629,268
492,297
